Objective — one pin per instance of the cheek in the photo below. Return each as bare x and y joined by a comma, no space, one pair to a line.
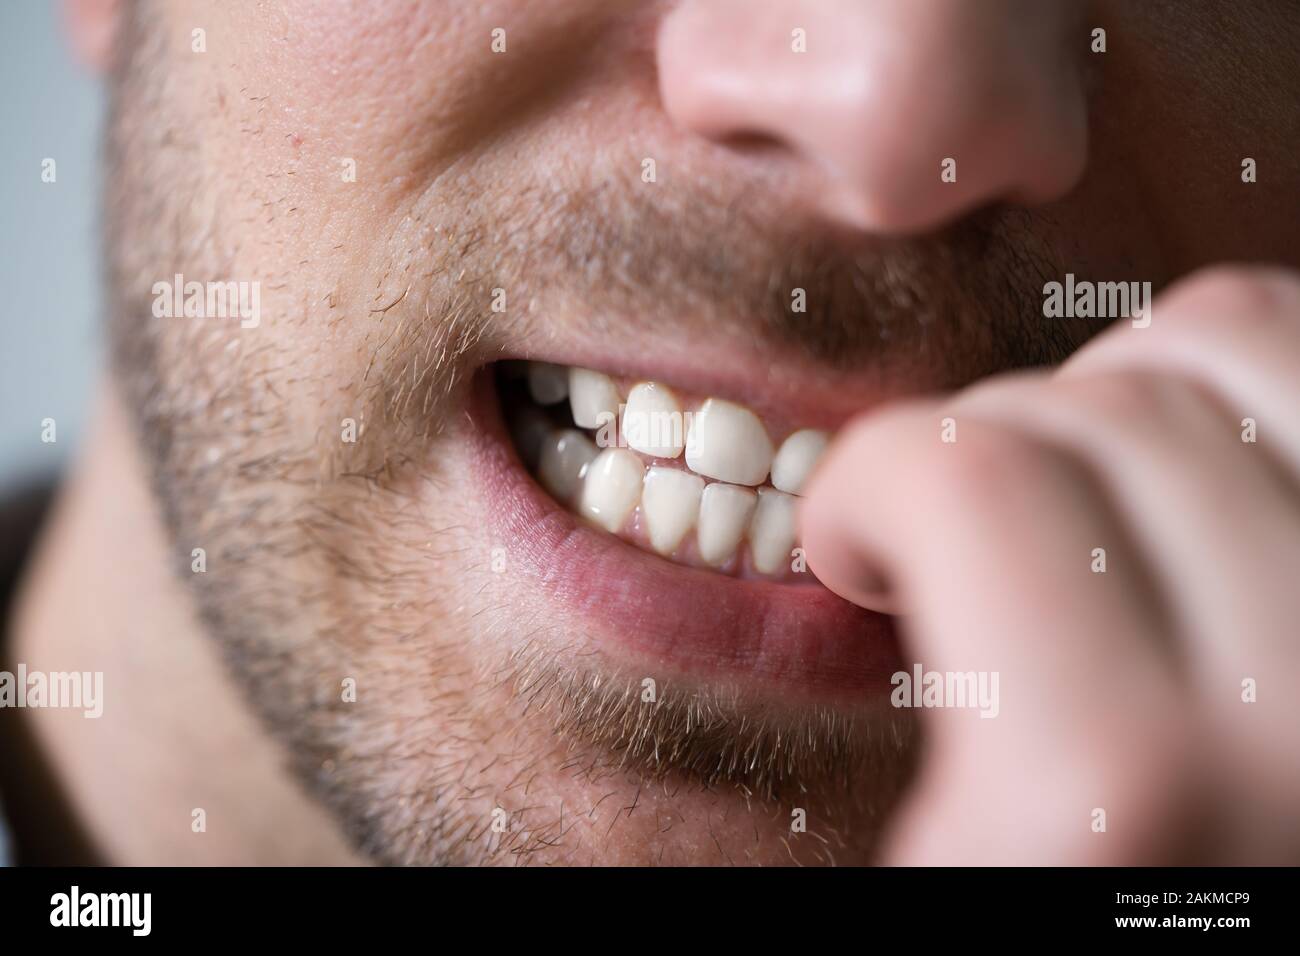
330,50
328,72
304,114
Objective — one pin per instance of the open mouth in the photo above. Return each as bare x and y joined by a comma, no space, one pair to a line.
662,526
701,481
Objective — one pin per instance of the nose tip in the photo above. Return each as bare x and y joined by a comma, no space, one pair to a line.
895,116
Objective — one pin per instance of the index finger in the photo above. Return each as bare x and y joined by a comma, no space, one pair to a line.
985,544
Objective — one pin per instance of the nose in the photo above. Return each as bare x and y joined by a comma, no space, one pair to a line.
894,116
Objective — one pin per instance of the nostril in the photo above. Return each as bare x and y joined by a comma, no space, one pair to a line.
755,142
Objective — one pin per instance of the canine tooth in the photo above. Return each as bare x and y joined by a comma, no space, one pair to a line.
796,459
724,514
771,533
612,487
652,421
565,455
591,394
547,383
729,443
671,503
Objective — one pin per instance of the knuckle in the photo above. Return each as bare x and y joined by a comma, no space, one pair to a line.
987,463
1116,398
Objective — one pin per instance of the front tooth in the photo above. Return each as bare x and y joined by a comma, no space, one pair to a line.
547,383
565,455
729,443
611,488
771,534
591,395
724,513
795,460
671,503
652,421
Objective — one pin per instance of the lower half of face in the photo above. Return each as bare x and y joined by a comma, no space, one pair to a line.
497,463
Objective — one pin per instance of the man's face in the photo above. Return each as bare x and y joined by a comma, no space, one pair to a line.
465,668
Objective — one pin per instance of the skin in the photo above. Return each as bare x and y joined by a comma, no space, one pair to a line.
522,171
1131,682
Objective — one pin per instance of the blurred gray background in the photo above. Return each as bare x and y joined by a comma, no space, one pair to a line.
51,348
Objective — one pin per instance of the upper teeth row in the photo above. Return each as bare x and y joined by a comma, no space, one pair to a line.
722,440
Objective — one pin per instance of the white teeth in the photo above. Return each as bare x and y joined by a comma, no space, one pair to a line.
671,503
611,488
795,460
724,514
547,383
565,456
591,395
652,421
725,442
729,443
771,533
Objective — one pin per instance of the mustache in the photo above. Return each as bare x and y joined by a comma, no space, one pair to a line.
962,303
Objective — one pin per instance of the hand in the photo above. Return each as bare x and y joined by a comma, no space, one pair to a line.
1164,690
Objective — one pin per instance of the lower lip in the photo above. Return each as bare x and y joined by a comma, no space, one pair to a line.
798,638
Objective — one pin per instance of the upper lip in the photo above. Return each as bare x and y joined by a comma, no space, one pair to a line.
782,393
639,610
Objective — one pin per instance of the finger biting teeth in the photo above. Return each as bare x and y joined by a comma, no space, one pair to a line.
686,479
